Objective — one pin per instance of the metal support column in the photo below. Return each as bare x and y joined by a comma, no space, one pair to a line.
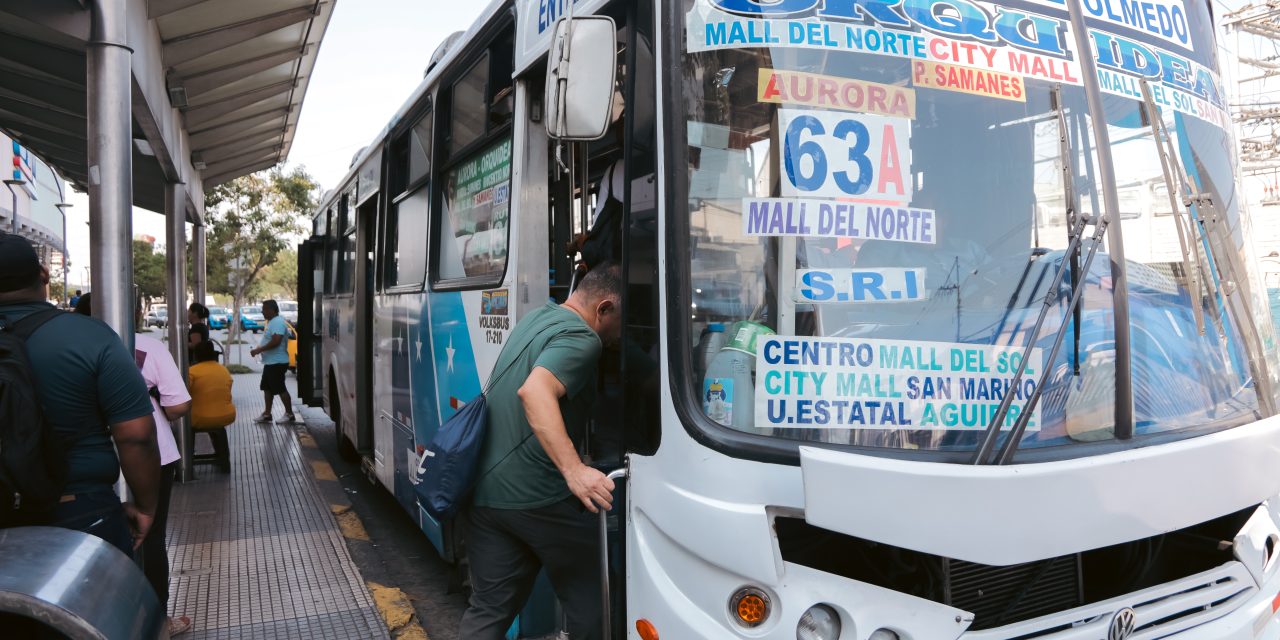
110,129
198,286
175,264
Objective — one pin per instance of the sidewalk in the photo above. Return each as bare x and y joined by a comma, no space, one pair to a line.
256,553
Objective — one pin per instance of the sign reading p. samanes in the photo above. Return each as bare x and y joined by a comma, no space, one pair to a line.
849,383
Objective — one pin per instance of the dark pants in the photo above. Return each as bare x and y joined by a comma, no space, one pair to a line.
97,512
221,449
507,547
155,558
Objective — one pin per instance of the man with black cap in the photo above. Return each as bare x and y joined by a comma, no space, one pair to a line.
93,397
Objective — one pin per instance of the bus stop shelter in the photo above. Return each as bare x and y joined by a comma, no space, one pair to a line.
150,103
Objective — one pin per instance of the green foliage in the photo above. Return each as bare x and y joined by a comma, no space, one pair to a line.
252,220
235,369
148,269
281,278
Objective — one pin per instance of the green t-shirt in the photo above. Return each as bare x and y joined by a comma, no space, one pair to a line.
86,380
564,345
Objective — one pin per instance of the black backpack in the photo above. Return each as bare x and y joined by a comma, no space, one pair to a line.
33,465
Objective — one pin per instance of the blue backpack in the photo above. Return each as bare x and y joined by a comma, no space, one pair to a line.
447,469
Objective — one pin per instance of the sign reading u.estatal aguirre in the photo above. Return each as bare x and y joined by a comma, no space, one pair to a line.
848,383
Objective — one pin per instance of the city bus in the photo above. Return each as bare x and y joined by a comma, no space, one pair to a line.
934,327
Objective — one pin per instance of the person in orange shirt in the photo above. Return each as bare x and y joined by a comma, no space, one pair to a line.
211,406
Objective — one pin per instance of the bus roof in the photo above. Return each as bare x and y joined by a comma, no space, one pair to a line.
429,80
534,22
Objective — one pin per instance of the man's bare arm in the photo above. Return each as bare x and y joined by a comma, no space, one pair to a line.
177,411
540,394
139,460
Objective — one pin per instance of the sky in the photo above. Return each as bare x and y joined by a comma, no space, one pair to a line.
371,59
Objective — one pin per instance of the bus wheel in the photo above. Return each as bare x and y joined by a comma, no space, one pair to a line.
346,450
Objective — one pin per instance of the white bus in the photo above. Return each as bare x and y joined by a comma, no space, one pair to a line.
982,376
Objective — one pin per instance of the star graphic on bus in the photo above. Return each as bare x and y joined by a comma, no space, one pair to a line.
448,352
418,344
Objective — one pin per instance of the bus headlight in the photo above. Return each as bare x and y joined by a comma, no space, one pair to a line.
820,622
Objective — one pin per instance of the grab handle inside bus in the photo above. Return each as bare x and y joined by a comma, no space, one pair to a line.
581,68
615,475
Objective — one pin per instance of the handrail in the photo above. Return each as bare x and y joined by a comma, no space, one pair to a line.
616,474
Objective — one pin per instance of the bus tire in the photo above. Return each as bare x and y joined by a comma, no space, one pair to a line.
346,450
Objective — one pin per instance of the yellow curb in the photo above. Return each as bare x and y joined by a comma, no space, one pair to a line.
322,470
349,523
397,612
412,632
306,440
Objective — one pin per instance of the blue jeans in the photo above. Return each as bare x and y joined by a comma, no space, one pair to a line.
97,512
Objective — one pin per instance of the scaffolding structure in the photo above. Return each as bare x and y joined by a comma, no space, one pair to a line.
1251,34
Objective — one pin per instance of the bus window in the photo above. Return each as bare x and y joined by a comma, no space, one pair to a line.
473,234
419,143
333,250
468,121
472,224
347,249
404,250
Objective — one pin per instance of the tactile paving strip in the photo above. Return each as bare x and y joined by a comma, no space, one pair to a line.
256,553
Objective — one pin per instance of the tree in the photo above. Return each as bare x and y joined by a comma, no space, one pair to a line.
148,270
252,219
282,277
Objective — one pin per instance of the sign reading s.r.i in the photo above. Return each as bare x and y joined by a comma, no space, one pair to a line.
846,155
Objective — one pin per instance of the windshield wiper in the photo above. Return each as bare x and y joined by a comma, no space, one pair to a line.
1204,215
1076,232
1188,240
1069,198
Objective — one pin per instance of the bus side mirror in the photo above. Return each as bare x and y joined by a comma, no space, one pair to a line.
580,79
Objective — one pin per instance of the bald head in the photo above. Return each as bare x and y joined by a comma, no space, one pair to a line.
598,299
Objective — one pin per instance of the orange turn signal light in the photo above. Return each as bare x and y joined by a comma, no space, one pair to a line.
646,630
750,606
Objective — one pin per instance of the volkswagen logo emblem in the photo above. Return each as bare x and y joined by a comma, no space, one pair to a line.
1123,624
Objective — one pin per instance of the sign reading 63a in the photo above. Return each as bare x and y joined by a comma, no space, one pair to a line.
845,155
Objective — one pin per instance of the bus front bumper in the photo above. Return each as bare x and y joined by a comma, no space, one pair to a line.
685,596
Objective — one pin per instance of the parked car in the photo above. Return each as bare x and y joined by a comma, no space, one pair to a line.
158,316
293,347
289,311
219,317
251,319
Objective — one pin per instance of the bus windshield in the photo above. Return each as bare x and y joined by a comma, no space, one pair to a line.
879,197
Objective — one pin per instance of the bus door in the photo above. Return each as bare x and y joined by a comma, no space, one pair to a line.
310,317
366,233
605,208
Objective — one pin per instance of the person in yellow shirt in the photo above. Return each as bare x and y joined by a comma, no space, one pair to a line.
211,406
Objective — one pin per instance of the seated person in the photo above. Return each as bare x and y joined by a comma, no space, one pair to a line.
211,406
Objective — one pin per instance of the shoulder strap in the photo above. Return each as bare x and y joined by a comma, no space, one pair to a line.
495,377
28,324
